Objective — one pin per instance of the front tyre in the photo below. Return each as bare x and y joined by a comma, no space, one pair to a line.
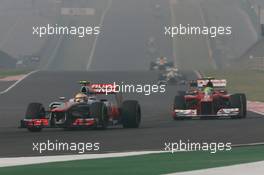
98,111
179,103
131,114
35,111
239,101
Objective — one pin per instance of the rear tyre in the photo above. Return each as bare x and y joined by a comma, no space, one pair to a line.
131,114
99,111
179,102
35,111
239,101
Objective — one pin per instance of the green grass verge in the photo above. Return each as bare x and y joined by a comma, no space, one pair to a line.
146,164
12,72
250,82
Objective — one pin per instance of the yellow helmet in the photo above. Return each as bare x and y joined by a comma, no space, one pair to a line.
80,98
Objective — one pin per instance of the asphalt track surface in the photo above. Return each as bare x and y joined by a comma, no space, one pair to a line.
4,85
157,125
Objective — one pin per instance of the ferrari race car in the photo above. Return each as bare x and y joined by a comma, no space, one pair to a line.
171,76
199,102
161,64
86,110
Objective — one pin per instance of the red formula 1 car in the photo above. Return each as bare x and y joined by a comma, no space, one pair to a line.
215,103
86,110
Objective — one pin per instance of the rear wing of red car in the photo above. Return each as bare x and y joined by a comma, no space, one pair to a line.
200,83
216,83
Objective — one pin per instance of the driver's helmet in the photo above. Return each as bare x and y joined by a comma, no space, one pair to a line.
210,84
81,98
209,88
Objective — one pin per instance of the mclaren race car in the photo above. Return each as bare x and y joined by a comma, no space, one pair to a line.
208,98
161,64
85,110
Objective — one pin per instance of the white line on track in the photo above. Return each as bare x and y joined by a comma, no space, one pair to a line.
260,113
17,82
248,144
51,59
16,161
96,37
4,162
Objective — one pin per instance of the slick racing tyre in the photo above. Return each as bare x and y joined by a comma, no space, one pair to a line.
131,114
99,112
239,101
35,111
179,103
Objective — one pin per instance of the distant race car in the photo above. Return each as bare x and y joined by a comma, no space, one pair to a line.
86,110
171,76
161,64
208,98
